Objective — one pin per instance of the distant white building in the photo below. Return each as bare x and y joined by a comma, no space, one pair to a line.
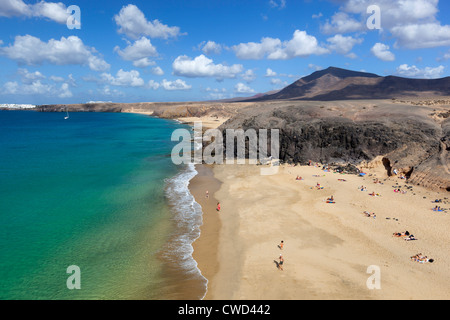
17,106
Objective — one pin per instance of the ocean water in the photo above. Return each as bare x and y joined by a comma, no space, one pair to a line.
98,191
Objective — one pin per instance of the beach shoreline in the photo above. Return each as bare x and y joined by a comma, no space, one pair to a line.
206,246
329,248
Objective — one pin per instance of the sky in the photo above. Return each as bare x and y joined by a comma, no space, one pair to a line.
78,51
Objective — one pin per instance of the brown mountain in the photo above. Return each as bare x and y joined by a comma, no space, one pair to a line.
340,84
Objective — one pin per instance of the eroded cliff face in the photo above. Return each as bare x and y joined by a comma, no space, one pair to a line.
408,141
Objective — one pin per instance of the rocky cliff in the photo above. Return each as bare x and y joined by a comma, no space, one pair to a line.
411,140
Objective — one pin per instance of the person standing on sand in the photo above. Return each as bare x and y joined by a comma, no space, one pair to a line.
218,206
281,245
280,265
207,194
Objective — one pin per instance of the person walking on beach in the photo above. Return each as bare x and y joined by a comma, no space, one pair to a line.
207,194
218,207
280,265
281,245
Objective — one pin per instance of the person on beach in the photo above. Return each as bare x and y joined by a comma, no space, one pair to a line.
207,194
281,245
401,234
280,265
218,206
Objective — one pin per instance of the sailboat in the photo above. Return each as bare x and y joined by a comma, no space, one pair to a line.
67,114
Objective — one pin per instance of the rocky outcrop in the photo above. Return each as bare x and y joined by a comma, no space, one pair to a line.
406,140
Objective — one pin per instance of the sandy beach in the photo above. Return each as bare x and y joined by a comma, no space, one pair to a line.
328,247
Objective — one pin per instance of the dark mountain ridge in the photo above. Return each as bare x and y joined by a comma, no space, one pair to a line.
341,84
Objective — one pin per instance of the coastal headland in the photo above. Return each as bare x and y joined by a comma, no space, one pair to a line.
352,199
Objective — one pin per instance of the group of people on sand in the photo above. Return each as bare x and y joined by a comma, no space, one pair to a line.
318,186
377,181
280,261
405,235
409,237
421,258
370,215
400,191
437,208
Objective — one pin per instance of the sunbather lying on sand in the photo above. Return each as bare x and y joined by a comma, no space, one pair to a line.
410,238
370,215
421,258
401,234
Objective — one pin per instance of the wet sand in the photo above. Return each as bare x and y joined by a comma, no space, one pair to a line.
205,247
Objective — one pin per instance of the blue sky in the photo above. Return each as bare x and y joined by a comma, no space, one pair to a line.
136,51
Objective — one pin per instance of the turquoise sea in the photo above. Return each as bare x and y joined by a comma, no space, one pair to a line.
99,191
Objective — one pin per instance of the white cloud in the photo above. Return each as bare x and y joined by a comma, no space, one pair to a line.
157,71
242,88
202,66
301,45
56,78
395,13
352,55
381,51
446,56
341,22
278,82
413,23
152,84
65,91
29,50
169,85
211,47
133,23
50,10
29,77
253,50
281,4
106,91
124,79
405,70
54,11
314,67
249,76
417,36
36,87
270,73
143,63
175,85
342,44
138,52
11,87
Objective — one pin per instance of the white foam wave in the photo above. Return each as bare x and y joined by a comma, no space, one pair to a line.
188,220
